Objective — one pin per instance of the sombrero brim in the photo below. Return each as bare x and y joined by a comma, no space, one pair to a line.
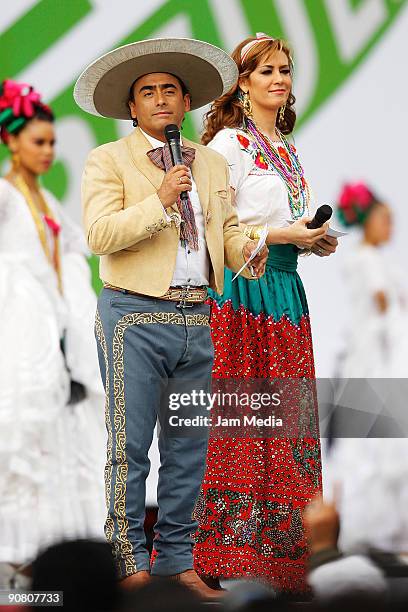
207,72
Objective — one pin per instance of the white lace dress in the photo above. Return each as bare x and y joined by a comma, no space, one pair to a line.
51,453
372,472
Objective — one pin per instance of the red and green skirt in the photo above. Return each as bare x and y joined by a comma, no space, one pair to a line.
255,489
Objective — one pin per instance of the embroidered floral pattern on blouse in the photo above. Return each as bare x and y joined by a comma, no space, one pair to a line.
251,148
260,161
243,141
283,154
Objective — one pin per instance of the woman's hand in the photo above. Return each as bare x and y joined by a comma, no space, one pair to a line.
259,262
298,234
325,247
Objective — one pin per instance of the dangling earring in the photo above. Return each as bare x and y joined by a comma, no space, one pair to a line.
282,114
134,122
15,162
246,104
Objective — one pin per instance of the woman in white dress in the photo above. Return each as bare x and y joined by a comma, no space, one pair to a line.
51,402
376,293
372,472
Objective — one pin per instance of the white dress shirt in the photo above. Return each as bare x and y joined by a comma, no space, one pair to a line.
192,267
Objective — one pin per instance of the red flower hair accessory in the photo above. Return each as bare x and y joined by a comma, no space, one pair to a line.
354,203
18,103
20,97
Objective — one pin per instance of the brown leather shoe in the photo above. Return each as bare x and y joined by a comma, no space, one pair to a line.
192,581
212,581
135,581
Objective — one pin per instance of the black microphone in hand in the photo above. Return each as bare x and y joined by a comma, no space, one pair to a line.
172,134
322,214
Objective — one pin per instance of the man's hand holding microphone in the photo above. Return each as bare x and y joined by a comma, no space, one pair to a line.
175,181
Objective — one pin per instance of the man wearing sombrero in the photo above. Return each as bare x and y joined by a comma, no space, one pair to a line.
159,254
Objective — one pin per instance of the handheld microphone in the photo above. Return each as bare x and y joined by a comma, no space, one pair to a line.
172,134
322,214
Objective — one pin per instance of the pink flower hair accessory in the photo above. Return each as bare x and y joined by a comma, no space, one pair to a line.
355,194
20,97
18,104
354,203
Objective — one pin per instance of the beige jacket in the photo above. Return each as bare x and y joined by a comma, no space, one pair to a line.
125,222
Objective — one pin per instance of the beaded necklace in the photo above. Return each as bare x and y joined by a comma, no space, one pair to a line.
288,168
53,258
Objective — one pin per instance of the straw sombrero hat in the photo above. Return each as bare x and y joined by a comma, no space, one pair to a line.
103,88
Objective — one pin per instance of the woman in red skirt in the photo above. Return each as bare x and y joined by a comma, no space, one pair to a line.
254,490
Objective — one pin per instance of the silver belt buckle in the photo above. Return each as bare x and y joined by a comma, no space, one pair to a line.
182,303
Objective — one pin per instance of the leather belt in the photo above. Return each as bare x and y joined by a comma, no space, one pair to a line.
185,295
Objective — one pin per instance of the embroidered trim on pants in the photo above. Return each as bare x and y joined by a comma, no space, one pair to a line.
123,547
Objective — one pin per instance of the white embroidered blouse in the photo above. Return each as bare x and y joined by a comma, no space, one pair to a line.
261,195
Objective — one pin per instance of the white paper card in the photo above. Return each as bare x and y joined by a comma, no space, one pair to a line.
259,246
335,233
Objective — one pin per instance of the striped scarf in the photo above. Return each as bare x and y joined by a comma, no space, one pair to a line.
161,157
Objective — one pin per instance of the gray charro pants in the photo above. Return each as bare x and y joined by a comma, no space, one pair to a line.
142,343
